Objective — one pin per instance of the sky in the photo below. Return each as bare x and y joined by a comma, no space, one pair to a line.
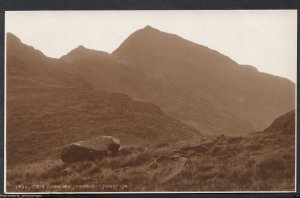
266,39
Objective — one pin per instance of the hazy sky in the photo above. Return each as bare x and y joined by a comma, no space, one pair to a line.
264,39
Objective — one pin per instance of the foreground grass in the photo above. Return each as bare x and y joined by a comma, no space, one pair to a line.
259,163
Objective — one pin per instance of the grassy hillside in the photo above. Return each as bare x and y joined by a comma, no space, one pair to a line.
262,161
39,125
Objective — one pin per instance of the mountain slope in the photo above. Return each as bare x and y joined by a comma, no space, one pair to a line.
103,73
193,83
203,87
284,124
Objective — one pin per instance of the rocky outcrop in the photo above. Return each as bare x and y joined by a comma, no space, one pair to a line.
92,149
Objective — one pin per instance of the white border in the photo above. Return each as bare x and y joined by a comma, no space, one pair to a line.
154,192
4,163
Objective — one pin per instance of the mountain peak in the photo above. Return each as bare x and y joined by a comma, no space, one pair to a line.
81,47
150,40
15,43
82,52
148,27
12,37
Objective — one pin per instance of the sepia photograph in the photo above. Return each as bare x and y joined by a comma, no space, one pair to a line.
159,101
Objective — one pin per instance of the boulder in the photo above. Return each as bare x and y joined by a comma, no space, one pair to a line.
92,149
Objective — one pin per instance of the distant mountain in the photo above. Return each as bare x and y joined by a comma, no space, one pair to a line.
81,53
193,83
28,68
190,82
